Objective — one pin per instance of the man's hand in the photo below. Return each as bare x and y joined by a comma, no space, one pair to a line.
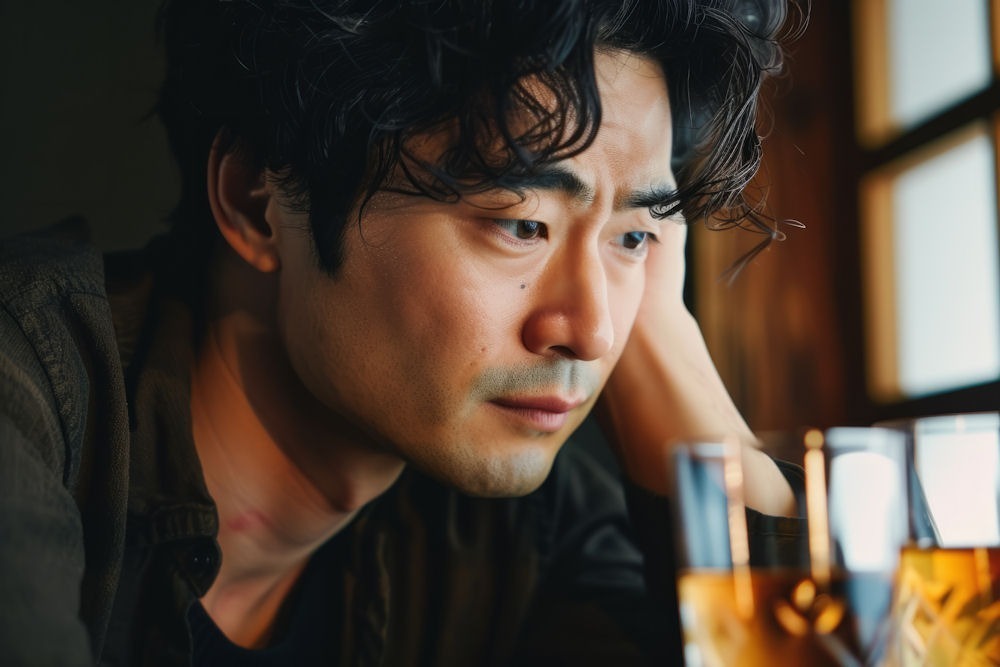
665,389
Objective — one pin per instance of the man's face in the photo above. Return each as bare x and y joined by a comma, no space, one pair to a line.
472,338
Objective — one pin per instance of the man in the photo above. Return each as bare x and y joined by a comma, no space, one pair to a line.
318,422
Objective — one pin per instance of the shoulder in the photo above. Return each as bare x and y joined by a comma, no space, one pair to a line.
55,329
39,268
48,280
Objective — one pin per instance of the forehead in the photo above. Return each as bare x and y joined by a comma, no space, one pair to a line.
635,136
631,85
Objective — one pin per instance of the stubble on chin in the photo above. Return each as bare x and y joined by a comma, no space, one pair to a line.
511,475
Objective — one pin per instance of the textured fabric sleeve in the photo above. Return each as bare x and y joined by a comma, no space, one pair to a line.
41,540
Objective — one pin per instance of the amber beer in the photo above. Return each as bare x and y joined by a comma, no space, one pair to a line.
781,618
948,607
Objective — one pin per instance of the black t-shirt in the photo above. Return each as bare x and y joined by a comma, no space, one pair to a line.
304,628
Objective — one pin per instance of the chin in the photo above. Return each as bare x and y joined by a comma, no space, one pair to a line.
498,476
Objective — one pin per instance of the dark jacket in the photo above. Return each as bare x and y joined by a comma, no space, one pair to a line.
107,532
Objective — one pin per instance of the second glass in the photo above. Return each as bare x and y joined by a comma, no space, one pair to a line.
948,606
757,590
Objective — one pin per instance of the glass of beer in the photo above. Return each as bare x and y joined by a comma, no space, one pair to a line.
817,590
948,602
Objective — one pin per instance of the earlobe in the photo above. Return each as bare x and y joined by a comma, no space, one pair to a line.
238,195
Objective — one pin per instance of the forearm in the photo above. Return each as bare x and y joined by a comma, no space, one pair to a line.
666,389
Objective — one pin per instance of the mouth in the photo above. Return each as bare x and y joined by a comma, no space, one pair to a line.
546,414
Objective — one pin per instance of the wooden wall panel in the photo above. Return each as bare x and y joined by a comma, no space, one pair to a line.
775,332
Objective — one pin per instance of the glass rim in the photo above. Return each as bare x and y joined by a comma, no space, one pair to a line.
874,438
708,447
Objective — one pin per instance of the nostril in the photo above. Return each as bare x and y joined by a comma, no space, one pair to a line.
564,351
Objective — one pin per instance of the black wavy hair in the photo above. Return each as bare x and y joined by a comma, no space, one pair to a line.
328,94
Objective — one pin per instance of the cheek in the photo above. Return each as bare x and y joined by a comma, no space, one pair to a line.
334,334
624,298
435,325
320,333
450,307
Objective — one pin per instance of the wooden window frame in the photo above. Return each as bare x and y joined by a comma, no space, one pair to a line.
881,150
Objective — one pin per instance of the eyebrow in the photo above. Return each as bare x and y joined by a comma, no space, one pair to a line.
560,179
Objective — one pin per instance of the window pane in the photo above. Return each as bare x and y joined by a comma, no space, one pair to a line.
946,276
965,448
938,54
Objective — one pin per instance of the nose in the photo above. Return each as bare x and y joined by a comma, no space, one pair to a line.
571,312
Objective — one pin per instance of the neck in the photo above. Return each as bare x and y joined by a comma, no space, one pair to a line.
286,473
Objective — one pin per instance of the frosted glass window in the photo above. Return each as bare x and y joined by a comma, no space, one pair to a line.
946,275
961,469
938,54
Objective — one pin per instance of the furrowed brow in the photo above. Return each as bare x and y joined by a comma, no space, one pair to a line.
555,178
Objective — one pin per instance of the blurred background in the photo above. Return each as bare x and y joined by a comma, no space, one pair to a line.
881,139
78,82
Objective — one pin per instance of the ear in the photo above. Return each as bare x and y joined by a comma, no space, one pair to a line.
238,195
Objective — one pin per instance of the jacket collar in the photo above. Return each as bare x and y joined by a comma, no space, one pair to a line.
154,324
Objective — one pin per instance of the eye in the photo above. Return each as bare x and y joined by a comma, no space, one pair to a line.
636,240
525,230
